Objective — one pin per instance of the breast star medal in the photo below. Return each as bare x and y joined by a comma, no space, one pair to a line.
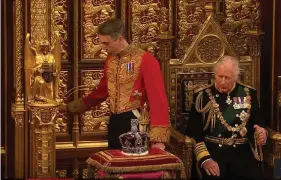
228,100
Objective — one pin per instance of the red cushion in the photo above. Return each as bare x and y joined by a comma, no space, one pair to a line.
113,161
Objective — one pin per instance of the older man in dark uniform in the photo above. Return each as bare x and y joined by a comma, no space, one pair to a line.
132,78
227,126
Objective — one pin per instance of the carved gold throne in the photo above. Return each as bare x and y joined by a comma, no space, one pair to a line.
193,69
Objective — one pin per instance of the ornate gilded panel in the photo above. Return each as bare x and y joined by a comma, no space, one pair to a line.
190,17
39,21
94,13
145,19
207,46
241,17
61,121
42,155
95,119
59,22
19,40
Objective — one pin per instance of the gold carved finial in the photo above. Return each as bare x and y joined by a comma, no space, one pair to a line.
209,8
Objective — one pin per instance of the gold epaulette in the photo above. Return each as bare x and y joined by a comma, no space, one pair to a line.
202,88
246,85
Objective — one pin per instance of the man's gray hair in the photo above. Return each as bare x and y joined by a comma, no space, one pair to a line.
233,60
112,27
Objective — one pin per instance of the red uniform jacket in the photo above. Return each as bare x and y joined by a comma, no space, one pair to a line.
131,79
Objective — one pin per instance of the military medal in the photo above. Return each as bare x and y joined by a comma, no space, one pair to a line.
130,68
235,104
228,100
242,115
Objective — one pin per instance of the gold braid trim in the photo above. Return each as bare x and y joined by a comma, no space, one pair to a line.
162,167
201,151
166,175
203,110
198,104
218,113
160,134
257,151
76,106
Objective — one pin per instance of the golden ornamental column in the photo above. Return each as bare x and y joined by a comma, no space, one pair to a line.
164,42
42,67
18,106
42,134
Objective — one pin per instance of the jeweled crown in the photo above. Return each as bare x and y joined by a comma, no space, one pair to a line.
134,142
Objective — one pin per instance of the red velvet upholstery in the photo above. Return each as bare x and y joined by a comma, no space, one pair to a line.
157,160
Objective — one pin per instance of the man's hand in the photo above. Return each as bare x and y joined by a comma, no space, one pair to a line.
261,135
159,145
211,167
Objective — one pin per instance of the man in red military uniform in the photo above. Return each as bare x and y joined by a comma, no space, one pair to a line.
132,77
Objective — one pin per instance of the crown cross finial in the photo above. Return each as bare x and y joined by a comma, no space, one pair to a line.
134,125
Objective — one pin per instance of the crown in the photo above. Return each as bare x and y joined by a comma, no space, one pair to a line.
134,143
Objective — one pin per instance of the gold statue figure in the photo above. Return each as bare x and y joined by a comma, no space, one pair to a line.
42,68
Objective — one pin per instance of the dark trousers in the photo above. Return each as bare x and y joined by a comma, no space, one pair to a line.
118,124
234,163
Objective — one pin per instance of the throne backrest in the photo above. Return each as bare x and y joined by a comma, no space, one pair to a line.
188,83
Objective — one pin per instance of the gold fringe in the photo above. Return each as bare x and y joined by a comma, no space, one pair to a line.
160,134
161,167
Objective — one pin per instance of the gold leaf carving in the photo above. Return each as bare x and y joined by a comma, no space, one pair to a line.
95,13
210,49
145,23
94,119
61,122
38,21
59,23
190,18
19,49
242,16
